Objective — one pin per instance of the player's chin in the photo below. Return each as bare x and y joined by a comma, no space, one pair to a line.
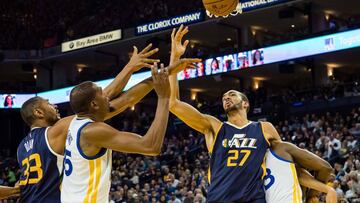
227,110
231,108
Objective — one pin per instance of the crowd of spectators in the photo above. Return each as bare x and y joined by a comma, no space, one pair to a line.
179,174
41,24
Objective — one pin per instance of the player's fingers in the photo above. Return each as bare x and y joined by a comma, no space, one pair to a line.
166,72
147,54
147,48
153,72
162,67
186,43
190,60
183,32
147,65
146,60
135,50
178,33
162,72
192,66
173,33
156,67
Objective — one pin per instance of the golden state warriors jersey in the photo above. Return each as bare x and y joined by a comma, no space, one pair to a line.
86,179
281,181
237,164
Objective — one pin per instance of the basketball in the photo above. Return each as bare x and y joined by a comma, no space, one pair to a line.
220,7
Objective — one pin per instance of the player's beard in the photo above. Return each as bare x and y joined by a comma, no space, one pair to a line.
53,120
234,107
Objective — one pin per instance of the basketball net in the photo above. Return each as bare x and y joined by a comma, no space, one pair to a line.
237,11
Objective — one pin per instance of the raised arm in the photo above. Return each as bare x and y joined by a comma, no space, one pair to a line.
130,97
307,180
202,123
137,61
309,161
7,192
205,124
58,132
103,135
139,91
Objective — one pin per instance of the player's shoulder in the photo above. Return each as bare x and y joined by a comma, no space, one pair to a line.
61,125
95,128
266,125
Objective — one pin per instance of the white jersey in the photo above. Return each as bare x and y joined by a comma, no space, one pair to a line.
281,181
86,179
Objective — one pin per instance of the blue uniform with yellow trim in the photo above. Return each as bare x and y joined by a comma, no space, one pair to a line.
237,165
41,169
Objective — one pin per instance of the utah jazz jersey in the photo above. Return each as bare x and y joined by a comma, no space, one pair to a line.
237,164
281,181
86,179
40,168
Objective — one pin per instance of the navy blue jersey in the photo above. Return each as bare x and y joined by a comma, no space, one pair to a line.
40,169
237,164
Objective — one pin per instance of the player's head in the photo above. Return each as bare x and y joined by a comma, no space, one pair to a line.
88,98
39,109
234,101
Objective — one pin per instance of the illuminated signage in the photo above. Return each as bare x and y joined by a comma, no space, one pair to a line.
169,23
221,64
249,5
91,41
12,101
273,54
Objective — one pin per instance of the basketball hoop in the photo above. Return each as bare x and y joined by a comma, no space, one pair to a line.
237,11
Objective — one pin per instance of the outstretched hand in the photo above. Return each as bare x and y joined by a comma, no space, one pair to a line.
161,80
141,59
183,63
177,47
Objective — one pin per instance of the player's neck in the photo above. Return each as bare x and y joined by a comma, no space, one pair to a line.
90,116
238,118
39,124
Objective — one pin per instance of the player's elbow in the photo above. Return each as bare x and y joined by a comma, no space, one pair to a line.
328,168
150,149
154,151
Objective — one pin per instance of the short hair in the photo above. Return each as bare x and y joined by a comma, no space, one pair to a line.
244,98
81,96
27,109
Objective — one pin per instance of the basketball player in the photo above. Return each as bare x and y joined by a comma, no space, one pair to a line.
7,192
281,181
40,154
205,125
237,147
90,141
